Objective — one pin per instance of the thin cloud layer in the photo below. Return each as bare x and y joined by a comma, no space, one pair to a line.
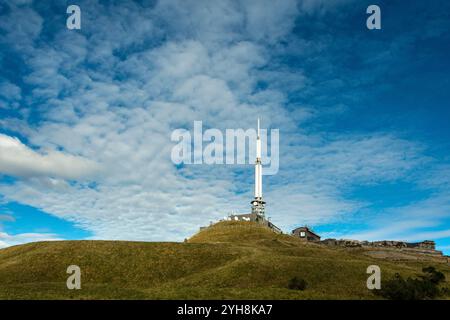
7,240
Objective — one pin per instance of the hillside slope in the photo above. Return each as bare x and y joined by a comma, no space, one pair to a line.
239,260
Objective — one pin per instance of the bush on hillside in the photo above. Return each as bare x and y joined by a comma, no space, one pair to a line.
297,284
426,286
432,275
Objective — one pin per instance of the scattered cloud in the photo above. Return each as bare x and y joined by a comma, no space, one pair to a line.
426,219
10,91
17,159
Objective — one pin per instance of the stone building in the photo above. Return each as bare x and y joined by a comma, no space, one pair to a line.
425,247
306,234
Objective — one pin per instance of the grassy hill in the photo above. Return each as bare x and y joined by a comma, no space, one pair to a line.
230,260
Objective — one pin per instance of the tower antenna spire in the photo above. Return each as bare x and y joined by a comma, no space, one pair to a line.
258,203
258,130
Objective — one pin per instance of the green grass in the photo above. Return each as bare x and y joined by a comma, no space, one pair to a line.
230,260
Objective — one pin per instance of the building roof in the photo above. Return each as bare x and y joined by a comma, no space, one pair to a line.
305,228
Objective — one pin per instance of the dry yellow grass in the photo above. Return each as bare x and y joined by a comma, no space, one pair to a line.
230,260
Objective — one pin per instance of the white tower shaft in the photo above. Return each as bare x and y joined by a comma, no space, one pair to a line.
258,166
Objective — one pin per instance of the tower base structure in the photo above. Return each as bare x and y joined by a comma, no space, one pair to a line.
258,207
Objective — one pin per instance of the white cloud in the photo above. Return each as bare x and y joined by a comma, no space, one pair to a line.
321,6
10,91
18,160
21,26
418,221
7,240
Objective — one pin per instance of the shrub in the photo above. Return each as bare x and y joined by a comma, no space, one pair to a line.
424,287
432,275
446,291
297,284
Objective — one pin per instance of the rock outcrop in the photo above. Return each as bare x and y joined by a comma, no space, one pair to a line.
424,247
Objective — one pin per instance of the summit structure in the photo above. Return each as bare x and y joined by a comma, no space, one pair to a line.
258,204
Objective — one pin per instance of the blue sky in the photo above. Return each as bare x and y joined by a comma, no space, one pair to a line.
86,117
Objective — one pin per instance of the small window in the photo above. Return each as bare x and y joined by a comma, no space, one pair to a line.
302,234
